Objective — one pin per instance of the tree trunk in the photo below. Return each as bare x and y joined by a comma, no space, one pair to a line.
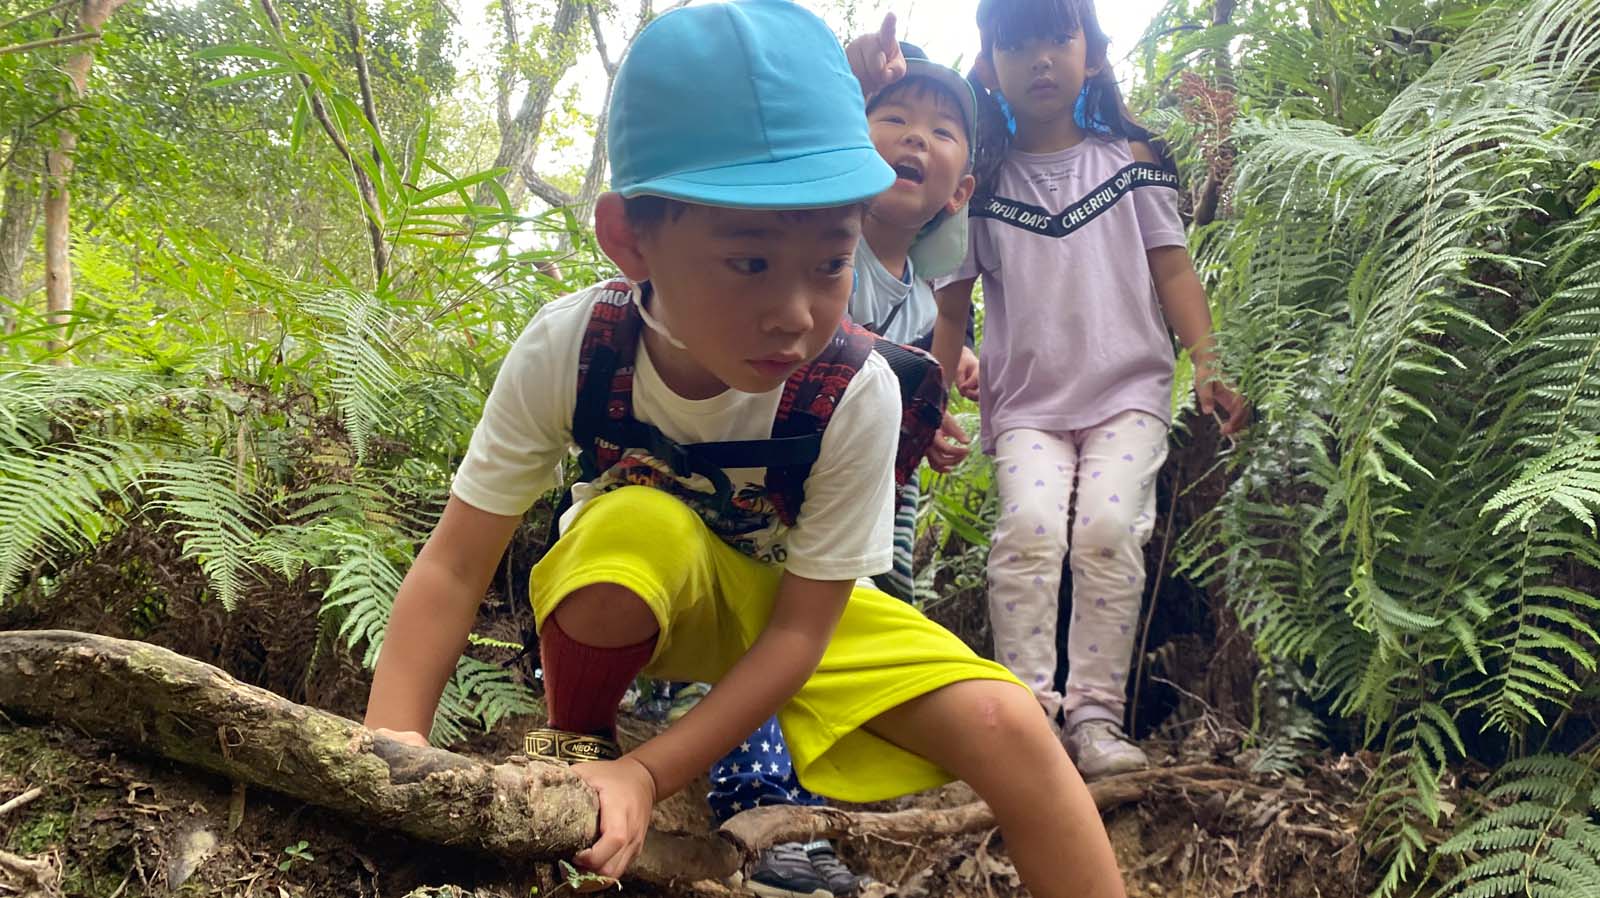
1210,194
369,193
178,708
58,169
519,134
371,209
19,216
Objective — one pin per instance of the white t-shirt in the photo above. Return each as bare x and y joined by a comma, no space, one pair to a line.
845,526
879,292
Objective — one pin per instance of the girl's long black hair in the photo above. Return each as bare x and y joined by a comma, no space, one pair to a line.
1009,22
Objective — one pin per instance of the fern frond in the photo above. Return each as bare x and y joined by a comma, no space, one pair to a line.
1542,843
53,501
362,584
218,520
366,379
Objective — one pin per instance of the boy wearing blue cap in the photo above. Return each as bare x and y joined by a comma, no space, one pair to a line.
735,218
924,124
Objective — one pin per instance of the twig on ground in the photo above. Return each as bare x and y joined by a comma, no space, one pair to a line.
21,800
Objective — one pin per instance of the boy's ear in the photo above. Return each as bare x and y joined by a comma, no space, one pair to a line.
618,239
983,66
964,189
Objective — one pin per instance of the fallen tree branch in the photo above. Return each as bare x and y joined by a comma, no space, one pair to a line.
42,875
761,827
189,711
21,800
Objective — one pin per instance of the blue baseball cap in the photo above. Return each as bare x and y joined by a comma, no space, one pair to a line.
748,104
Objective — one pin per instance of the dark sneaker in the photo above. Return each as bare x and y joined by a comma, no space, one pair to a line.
685,698
832,871
785,871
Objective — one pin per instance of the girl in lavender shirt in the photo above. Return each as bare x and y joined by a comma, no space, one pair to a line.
1084,267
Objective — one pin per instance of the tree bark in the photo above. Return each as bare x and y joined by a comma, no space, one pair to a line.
92,16
519,133
372,211
182,709
19,217
1210,194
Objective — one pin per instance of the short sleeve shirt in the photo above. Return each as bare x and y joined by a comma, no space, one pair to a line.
898,309
1073,329
845,526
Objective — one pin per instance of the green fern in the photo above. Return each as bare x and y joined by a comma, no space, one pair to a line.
35,398
1409,295
208,500
362,583
55,502
479,695
361,351
1541,841
1567,478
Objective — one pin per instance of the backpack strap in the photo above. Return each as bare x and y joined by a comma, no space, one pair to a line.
600,420
922,402
604,426
809,399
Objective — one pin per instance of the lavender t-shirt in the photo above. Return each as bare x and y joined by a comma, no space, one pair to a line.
1073,330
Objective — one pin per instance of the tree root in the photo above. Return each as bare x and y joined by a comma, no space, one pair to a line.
31,877
191,712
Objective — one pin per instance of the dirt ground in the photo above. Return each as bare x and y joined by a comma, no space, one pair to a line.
108,825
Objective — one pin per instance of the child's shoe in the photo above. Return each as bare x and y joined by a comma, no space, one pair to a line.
832,871
654,702
685,698
1100,749
785,871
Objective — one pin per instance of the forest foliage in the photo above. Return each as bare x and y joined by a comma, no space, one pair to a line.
277,348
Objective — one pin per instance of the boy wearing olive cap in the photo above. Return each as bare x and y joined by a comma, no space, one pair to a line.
740,162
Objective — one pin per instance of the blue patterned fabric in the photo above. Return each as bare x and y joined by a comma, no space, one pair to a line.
755,774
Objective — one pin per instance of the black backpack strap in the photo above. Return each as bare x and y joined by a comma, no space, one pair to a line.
809,399
600,420
603,423
922,403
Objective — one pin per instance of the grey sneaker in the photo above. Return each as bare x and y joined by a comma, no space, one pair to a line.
785,871
832,871
1100,749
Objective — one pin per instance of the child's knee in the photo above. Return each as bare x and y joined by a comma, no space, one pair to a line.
606,615
1109,534
1001,713
1033,524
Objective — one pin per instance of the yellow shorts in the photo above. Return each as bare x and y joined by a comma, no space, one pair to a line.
711,602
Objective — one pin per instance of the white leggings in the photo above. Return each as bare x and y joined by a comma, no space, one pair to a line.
1113,466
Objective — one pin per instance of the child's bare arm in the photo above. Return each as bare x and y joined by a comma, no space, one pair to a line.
1183,303
786,653
433,613
950,328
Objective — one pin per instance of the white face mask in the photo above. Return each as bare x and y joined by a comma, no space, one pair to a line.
650,320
